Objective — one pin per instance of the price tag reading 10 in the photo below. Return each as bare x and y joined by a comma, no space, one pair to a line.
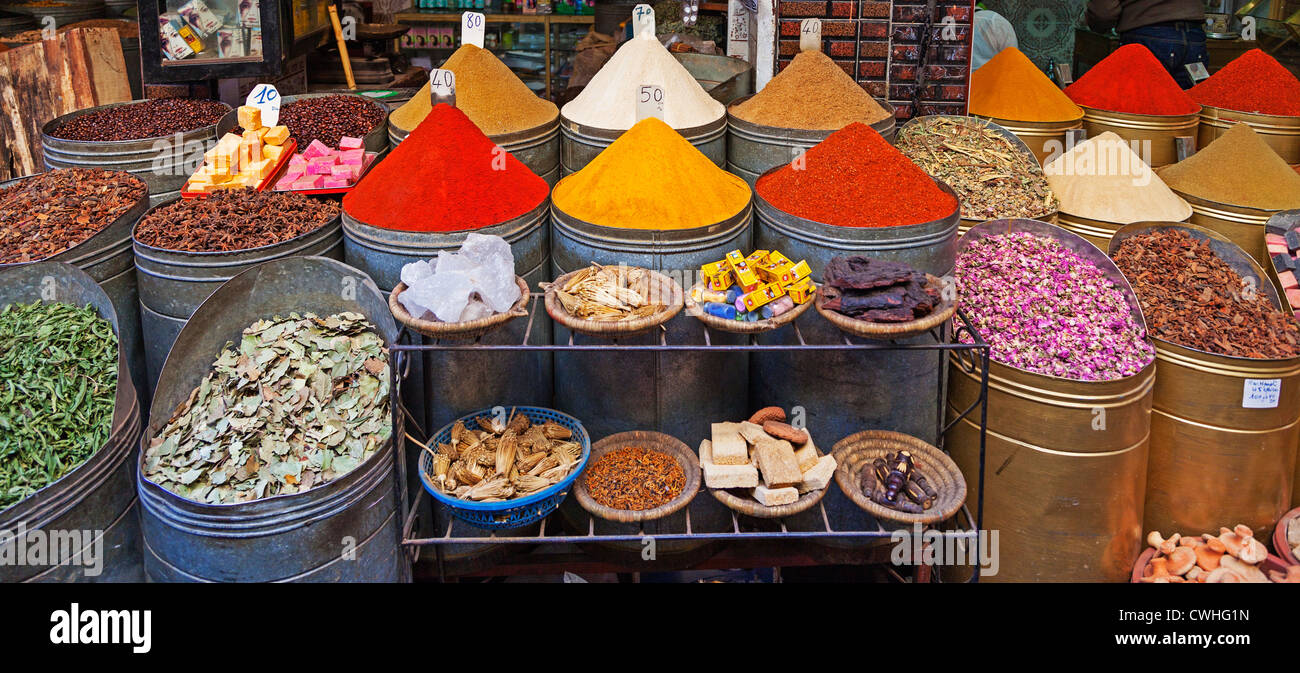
442,87
649,102
265,98
472,29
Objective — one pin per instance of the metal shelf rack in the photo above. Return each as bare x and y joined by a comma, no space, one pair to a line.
743,531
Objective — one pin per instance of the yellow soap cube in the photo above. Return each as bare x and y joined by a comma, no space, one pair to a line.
261,169
276,135
250,117
272,152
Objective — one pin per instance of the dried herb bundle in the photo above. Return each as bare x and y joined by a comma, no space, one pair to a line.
992,176
611,293
500,461
1192,298
300,402
58,381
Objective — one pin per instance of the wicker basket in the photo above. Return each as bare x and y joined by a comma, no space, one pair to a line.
739,326
856,452
458,331
739,500
648,440
615,328
890,330
1280,546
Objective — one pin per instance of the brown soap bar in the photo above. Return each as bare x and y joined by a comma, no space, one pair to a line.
777,464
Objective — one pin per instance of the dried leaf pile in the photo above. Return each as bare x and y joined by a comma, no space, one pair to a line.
501,461
609,293
300,402
993,177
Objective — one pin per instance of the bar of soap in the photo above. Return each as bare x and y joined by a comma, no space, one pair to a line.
820,476
316,149
250,118
777,464
276,135
771,497
729,448
350,143
725,476
753,432
806,454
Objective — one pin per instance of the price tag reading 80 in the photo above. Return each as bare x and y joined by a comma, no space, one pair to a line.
472,27
265,98
649,102
442,87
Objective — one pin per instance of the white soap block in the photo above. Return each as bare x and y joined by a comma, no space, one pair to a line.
729,448
819,476
771,497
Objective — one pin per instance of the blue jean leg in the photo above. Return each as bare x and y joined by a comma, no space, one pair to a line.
1173,46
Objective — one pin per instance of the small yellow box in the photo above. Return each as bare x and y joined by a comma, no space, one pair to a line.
714,268
763,295
746,277
276,135
250,118
801,291
757,258
773,273
775,257
720,282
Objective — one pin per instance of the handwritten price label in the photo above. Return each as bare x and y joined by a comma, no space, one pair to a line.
810,35
649,102
643,20
472,28
1261,393
266,98
442,87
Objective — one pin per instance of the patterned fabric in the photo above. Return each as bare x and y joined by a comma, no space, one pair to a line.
1045,30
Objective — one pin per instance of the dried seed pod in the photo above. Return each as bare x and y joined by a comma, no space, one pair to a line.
554,430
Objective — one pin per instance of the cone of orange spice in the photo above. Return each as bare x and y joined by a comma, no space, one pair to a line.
855,178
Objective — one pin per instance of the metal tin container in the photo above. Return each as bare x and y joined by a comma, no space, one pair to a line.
97,497
1239,224
164,163
580,144
537,148
1096,232
106,257
347,530
1278,132
722,77
679,393
752,148
174,283
1213,460
1066,460
1045,139
1159,131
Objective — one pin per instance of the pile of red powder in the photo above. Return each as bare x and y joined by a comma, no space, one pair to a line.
446,176
1132,80
855,178
1253,82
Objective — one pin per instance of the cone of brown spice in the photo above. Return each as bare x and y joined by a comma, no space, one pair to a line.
812,93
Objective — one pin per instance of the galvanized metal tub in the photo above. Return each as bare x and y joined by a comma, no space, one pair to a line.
753,149
174,283
679,393
345,531
844,392
106,257
1159,131
1213,460
1278,132
1239,224
537,148
164,163
722,77
580,144
1066,461
98,497
1045,139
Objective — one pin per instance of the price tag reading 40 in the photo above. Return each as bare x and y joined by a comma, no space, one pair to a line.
472,29
643,20
650,102
265,98
442,87
810,35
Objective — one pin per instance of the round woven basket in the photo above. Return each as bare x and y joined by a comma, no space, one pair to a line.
856,452
742,502
655,441
459,331
615,328
740,326
890,330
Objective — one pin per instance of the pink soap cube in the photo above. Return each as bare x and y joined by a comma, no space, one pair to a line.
320,166
316,149
350,143
332,182
357,157
297,160
294,171
1274,238
343,171
308,182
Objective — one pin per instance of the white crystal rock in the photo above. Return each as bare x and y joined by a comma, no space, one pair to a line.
475,310
473,283
416,271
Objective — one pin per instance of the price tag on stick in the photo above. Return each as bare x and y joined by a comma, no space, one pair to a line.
810,35
643,21
442,87
649,102
471,29
265,98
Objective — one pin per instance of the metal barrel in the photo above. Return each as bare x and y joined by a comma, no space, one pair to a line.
106,257
537,148
1066,460
1155,131
163,163
376,139
96,500
347,530
580,144
752,148
1217,457
724,78
1096,232
1278,132
1045,139
174,283
1242,225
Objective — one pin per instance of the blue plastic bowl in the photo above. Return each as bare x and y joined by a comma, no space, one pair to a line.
508,513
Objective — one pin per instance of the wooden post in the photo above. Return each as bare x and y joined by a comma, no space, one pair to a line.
343,47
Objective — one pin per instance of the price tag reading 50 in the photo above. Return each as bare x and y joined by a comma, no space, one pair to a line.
265,98
650,102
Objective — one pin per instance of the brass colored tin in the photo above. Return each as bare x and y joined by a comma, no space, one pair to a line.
1241,225
1159,130
1278,132
966,223
1045,139
1213,461
1096,232
1066,461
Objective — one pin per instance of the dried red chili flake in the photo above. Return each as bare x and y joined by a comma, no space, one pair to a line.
1252,82
635,478
240,219
48,213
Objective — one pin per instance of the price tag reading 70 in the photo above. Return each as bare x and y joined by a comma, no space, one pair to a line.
650,102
